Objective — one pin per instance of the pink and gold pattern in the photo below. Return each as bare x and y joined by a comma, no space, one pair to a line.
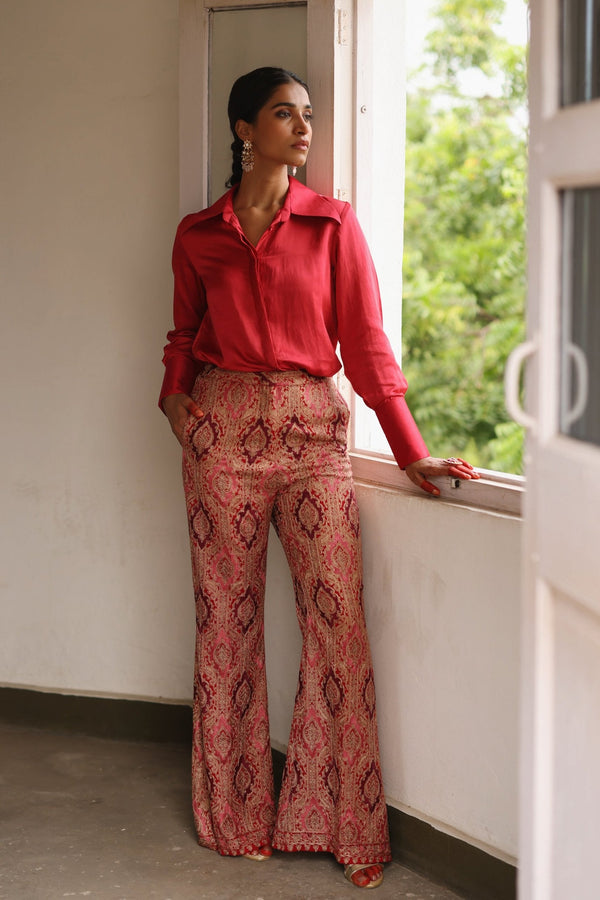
271,448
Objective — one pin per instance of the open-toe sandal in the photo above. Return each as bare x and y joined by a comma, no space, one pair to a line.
351,870
260,855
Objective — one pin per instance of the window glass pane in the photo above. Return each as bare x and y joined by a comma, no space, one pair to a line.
580,408
464,240
242,40
580,34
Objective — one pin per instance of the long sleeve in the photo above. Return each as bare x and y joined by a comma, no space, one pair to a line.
189,308
368,358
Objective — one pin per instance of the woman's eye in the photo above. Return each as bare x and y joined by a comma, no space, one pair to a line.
283,114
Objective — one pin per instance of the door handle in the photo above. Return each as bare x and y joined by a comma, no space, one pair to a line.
581,398
511,384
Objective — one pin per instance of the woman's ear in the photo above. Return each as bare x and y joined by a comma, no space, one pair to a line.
243,130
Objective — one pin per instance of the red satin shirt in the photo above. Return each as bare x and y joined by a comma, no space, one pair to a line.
286,304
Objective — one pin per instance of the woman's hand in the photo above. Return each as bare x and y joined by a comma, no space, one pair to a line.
422,469
178,408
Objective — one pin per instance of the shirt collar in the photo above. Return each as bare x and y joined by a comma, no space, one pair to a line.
302,201
299,201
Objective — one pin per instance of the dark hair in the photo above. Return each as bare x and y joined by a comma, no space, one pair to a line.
248,95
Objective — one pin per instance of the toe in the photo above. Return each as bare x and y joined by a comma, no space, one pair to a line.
362,878
373,872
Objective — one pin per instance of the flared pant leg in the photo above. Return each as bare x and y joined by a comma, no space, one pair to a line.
228,514
332,792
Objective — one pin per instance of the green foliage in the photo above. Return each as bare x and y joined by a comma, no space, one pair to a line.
464,255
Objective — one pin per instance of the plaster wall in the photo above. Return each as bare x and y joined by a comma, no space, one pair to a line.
95,584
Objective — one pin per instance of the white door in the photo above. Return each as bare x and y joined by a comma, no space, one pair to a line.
560,809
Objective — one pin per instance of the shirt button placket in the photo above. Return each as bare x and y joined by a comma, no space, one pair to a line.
260,301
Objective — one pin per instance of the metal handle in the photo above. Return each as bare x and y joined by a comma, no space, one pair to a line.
581,399
511,383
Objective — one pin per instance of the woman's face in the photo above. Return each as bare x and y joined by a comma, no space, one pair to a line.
282,131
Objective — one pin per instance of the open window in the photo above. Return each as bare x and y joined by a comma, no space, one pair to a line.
490,157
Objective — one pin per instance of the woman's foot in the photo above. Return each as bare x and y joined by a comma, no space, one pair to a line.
264,852
364,875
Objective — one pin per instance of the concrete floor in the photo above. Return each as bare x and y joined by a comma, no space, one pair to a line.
88,817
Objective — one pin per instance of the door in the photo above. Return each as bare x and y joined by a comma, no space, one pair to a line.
560,764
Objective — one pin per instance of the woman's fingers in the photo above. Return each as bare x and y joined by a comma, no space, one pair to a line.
179,408
430,488
418,477
193,409
460,468
462,472
422,469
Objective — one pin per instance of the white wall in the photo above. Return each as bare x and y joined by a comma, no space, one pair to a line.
95,587
94,579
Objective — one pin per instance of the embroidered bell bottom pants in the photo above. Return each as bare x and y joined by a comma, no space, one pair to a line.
271,448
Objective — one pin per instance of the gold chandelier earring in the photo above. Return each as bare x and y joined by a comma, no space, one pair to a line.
247,156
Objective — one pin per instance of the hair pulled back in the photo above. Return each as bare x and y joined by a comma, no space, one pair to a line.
248,95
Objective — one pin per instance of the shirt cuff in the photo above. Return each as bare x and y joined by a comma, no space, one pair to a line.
179,378
401,431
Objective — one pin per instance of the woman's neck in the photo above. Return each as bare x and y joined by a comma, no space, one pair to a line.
262,190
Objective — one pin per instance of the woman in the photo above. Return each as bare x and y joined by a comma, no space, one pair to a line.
268,280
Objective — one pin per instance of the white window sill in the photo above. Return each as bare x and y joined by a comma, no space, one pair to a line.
494,491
